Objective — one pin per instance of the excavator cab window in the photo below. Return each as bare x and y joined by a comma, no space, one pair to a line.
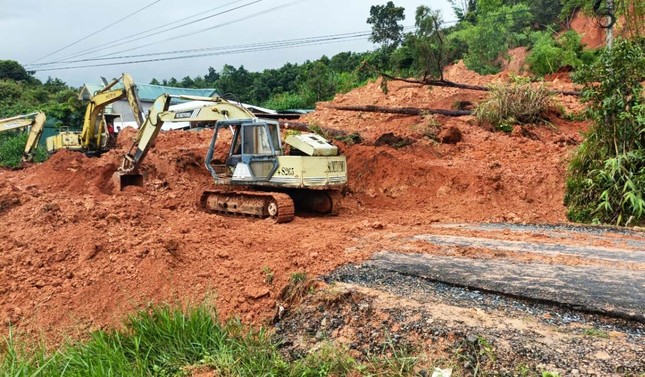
256,140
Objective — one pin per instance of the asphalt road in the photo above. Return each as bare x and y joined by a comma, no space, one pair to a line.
616,290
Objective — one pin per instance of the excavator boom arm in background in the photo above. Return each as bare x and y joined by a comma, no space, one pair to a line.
35,133
92,138
93,122
34,120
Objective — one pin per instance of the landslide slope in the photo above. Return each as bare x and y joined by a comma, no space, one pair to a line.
78,255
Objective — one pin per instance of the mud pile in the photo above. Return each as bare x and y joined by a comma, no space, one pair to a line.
77,255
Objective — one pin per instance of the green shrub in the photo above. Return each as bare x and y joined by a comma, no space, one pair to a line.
548,55
516,103
12,146
606,180
284,101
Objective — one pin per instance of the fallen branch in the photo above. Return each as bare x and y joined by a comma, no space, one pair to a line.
403,110
452,84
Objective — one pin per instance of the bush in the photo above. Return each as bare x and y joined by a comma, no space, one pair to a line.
517,103
286,101
549,56
12,146
606,180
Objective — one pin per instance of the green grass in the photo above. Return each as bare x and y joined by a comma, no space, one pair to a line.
598,333
168,341
516,103
12,146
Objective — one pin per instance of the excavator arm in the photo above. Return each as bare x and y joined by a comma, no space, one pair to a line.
34,120
92,138
128,173
93,130
221,109
13,123
35,133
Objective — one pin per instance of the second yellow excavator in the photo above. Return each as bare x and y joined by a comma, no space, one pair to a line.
94,137
258,177
36,124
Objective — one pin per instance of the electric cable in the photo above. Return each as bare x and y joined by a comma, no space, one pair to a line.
98,31
116,43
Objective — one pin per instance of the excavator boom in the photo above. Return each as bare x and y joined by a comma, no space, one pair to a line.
93,138
35,133
34,120
220,109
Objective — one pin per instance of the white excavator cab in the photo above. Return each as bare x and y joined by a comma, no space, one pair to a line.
254,151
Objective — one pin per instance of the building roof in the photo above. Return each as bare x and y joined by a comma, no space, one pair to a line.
148,92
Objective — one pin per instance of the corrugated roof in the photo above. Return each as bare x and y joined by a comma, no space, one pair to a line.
148,92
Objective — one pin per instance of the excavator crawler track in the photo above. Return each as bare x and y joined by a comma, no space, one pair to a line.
336,199
278,206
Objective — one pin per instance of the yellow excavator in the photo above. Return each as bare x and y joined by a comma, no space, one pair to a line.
94,137
258,177
36,122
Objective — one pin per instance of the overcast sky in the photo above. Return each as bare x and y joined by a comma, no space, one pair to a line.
32,29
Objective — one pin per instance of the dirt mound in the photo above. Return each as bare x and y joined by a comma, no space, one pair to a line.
592,35
75,252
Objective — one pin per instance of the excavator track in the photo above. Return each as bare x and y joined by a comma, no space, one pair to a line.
336,198
324,202
278,206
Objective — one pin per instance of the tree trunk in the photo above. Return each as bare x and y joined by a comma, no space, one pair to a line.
403,110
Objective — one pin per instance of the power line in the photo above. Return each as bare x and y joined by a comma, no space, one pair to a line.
116,43
261,13
201,30
98,31
278,45
223,48
229,50
109,56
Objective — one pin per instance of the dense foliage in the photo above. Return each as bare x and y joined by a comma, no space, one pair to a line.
606,180
22,93
293,86
12,146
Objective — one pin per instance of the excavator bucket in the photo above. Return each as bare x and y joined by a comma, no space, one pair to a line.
123,180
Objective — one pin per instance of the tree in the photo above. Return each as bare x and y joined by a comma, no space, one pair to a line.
606,182
187,82
464,9
495,31
385,25
12,70
319,82
428,43
212,76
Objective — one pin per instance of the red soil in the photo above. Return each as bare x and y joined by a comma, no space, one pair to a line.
77,255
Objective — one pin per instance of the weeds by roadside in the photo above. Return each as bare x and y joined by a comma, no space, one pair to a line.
167,341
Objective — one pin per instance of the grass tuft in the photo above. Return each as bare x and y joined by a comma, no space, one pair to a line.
520,102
